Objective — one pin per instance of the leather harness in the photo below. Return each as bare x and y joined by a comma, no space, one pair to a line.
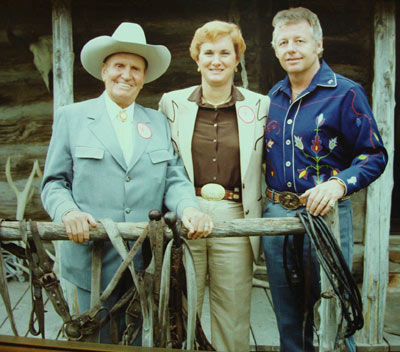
150,298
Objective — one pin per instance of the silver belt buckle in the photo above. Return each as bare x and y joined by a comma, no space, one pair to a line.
289,200
213,191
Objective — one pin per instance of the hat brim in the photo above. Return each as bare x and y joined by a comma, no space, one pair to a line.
96,50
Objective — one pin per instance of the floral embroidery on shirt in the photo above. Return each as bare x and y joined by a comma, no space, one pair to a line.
352,180
270,143
363,157
272,126
359,123
316,147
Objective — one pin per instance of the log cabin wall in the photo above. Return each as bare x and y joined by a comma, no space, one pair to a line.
26,102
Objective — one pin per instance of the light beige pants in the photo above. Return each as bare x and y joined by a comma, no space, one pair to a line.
229,265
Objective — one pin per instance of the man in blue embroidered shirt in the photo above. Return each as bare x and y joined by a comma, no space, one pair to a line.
322,144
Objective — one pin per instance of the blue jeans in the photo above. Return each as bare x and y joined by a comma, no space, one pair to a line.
288,303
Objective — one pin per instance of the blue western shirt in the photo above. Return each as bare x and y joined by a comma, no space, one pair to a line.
327,131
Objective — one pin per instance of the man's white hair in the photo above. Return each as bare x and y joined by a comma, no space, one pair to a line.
295,15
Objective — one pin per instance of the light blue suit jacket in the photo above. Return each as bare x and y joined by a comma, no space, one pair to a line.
85,169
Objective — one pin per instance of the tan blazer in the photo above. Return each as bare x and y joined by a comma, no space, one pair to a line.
251,116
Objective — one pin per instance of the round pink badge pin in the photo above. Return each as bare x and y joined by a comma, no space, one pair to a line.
144,130
246,114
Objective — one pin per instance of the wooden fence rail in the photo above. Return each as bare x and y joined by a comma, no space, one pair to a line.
50,231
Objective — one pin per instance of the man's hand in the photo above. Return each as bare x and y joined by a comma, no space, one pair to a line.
77,225
323,197
197,223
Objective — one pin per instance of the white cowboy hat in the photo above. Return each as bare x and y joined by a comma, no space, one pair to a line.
127,38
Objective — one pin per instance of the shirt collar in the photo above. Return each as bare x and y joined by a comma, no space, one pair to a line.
198,93
113,108
324,77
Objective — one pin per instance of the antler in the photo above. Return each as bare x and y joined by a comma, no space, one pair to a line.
26,195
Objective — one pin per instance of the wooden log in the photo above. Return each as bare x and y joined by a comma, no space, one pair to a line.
49,231
27,128
394,253
25,108
380,192
22,158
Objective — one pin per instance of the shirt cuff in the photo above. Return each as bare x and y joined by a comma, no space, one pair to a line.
62,209
185,203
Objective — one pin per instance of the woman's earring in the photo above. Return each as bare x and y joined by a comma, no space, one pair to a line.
236,70
198,69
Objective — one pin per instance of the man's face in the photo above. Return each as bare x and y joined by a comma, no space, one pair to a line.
123,75
296,49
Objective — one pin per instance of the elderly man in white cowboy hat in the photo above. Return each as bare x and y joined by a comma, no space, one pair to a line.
112,158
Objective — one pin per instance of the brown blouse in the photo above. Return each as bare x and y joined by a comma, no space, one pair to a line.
215,142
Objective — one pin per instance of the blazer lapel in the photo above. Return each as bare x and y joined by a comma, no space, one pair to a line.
187,111
141,134
246,112
101,126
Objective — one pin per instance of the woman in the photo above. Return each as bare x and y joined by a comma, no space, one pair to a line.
217,130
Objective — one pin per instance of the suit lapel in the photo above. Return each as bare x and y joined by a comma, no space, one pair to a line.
246,112
141,133
101,126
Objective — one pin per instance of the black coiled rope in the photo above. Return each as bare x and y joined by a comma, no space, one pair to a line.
332,262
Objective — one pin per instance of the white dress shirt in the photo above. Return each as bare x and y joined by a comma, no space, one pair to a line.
123,129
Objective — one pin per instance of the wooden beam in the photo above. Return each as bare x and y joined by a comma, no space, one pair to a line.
23,344
380,192
63,54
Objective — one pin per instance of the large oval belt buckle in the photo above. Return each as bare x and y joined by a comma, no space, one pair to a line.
213,191
289,200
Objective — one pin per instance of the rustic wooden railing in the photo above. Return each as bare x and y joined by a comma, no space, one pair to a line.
49,231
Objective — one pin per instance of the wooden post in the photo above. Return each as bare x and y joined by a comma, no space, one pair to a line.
63,94
380,192
63,54
329,310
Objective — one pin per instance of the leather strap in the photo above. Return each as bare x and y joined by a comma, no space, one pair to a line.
48,279
156,236
95,286
86,323
4,291
121,248
178,282
32,257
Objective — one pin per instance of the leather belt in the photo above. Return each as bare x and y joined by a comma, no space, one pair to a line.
288,200
216,192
